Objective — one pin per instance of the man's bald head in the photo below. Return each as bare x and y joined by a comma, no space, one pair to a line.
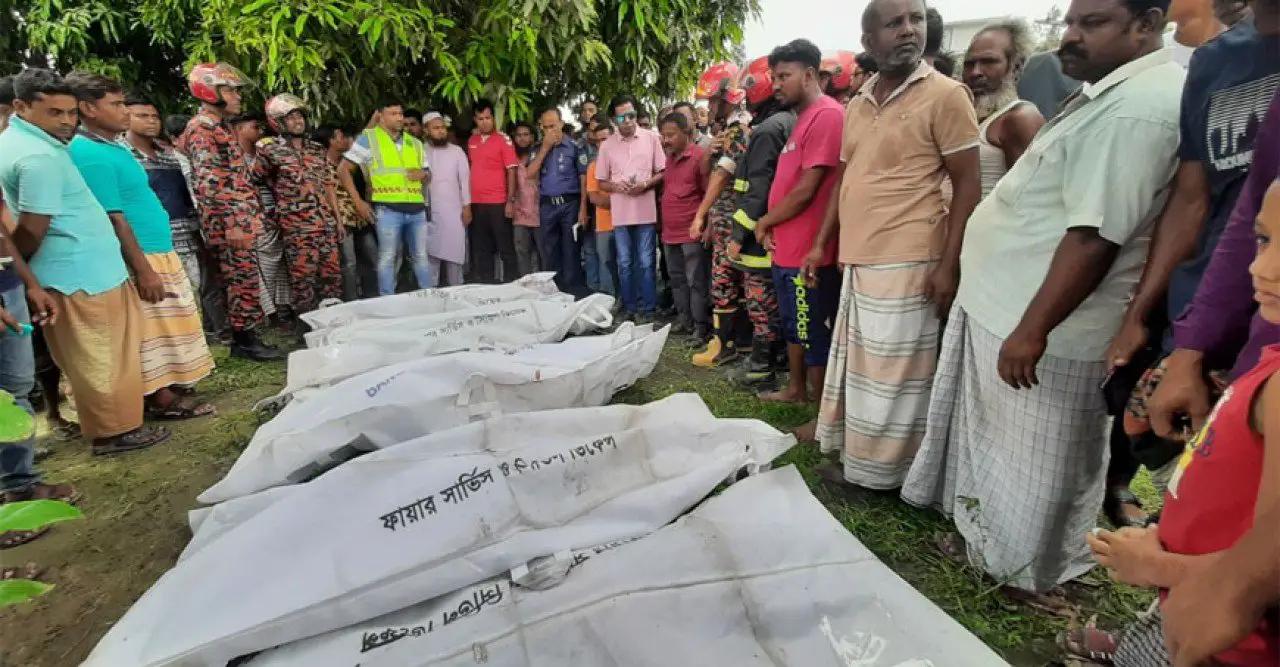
871,16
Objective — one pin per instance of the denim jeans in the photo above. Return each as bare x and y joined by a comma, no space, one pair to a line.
637,256
18,377
607,259
394,226
591,260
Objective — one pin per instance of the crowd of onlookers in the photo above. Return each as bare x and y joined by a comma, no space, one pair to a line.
1006,282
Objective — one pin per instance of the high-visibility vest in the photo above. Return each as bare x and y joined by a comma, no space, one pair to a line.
389,171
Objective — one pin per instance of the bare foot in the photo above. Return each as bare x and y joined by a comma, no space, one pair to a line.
807,432
785,396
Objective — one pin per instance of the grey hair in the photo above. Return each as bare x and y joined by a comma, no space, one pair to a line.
1022,42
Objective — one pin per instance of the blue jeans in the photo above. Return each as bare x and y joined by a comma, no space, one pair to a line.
393,226
607,260
18,377
637,255
591,259
560,250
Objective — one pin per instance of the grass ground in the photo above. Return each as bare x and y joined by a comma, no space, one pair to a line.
135,525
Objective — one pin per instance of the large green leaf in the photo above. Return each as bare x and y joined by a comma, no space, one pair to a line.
35,514
17,591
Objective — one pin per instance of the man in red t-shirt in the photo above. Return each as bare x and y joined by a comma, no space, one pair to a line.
493,198
684,186
808,283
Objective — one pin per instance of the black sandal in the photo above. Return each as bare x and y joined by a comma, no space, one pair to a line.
181,409
140,438
1113,507
15,538
30,572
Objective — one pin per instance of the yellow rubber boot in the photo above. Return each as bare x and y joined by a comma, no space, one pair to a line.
721,349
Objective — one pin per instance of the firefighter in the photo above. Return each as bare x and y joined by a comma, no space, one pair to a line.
740,265
840,76
296,170
230,212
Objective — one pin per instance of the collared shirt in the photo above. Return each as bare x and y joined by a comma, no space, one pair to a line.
168,180
81,251
683,187
1079,171
491,157
892,207
562,170
632,160
121,186
527,194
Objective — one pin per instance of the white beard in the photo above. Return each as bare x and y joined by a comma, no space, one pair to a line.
987,105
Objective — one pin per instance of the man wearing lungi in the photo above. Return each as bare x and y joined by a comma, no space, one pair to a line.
1016,448
905,130
76,256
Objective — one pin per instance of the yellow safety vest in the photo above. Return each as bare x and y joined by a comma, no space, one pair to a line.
388,173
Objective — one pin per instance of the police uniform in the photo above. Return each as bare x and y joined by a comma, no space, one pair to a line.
560,182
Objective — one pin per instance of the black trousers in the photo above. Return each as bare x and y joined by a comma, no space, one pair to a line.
491,234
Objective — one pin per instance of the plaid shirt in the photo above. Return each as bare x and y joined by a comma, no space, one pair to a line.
185,228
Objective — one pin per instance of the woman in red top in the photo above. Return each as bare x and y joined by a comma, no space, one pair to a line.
1228,477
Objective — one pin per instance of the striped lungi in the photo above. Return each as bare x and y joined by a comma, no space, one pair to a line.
174,351
269,246
883,354
1021,471
95,342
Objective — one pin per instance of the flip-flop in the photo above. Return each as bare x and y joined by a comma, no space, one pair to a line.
63,492
181,409
951,546
141,438
29,571
1089,643
1113,504
15,538
66,432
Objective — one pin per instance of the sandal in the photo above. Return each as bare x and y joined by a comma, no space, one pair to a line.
15,538
951,545
66,431
30,572
1089,643
62,492
140,438
180,409
1113,505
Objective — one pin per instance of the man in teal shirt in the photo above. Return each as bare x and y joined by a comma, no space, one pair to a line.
76,257
174,353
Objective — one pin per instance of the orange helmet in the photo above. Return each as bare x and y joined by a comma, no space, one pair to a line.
720,80
280,106
841,65
757,81
205,78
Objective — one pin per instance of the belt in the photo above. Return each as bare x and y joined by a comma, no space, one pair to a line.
563,199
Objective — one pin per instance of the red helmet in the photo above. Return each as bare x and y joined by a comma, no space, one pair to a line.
280,106
720,80
205,78
757,81
841,65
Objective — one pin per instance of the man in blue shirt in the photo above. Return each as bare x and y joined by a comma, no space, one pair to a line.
562,168
76,257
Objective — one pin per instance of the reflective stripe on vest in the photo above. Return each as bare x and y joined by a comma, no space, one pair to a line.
389,170
745,259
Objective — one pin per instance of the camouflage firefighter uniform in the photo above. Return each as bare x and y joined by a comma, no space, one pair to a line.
228,202
298,175
746,282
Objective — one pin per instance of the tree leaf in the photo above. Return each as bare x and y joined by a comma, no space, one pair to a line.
300,24
17,591
35,514
254,6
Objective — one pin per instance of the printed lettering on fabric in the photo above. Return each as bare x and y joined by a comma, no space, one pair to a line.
595,448
802,309
1232,121
454,494
481,598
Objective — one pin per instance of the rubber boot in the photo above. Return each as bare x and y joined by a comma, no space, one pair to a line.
745,337
247,345
760,366
721,350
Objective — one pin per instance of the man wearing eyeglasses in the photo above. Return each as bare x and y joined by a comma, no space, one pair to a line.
629,167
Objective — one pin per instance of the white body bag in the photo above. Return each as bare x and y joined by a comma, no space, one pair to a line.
759,576
435,300
408,400
411,523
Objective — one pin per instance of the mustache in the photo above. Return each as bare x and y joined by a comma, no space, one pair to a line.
1073,50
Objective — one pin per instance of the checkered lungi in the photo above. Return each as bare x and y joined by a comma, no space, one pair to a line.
884,349
1021,471
1142,644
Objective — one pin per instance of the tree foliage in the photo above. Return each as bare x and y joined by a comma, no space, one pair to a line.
344,55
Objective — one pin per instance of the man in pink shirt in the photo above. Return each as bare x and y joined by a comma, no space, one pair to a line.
493,198
807,280
629,167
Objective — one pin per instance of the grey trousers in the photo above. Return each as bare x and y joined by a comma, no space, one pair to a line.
359,261
690,268
529,250
449,271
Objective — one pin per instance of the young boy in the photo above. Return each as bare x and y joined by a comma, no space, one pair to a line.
1228,478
